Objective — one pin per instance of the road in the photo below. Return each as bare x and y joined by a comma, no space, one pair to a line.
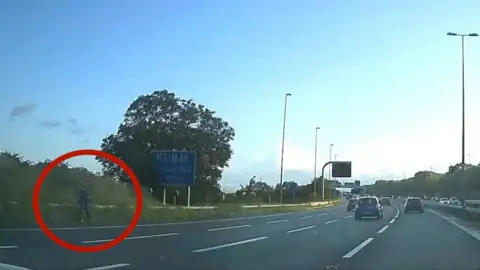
328,238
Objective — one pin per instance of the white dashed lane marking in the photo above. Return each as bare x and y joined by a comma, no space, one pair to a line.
358,248
277,221
230,244
391,221
383,229
301,229
331,221
7,247
229,228
322,214
131,238
106,267
347,217
12,267
306,217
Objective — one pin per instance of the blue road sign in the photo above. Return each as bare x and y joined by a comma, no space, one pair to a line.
175,168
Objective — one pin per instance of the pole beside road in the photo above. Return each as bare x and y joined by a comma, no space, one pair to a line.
330,159
315,167
283,146
463,86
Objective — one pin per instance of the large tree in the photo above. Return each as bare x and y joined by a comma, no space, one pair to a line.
163,121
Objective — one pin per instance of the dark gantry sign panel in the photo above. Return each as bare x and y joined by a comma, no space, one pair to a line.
175,168
342,169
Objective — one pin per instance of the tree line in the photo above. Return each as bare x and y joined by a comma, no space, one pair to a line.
257,191
461,181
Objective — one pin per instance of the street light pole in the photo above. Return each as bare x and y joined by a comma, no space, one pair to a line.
283,146
315,167
330,159
335,159
329,174
463,87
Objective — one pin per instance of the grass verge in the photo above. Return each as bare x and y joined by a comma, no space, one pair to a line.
16,216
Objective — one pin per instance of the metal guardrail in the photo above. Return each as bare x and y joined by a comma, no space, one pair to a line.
206,207
287,205
470,209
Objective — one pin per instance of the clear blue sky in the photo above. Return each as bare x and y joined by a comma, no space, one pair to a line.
380,78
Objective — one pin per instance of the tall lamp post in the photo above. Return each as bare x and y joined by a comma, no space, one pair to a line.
283,146
315,167
463,87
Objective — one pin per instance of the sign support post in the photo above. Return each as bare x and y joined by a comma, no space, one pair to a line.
164,196
340,169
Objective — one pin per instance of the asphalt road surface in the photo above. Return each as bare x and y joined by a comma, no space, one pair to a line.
328,238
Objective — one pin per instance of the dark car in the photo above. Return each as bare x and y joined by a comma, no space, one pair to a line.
414,204
368,207
351,204
385,201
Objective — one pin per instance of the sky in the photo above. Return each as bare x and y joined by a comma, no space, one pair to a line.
381,79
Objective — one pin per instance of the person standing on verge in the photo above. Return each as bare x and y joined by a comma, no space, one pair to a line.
84,201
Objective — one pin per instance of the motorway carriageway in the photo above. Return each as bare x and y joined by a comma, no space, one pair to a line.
328,238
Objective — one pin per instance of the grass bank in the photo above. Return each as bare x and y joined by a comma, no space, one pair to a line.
17,216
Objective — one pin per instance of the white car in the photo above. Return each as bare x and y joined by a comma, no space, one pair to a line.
454,201
444,201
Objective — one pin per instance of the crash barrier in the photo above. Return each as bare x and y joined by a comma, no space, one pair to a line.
206,207
470,209
288,205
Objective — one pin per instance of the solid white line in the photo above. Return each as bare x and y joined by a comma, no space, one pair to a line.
301,229
131,238
4,266
277,221
347,217
383,229
469,231
358,248
108,266
391,221
331,221
157,224
5,247
230,244
228,228
322,214
306,217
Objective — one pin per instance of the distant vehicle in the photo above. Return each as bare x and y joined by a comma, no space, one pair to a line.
385,201
368,207
444,201
454,201
414,204
351,204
